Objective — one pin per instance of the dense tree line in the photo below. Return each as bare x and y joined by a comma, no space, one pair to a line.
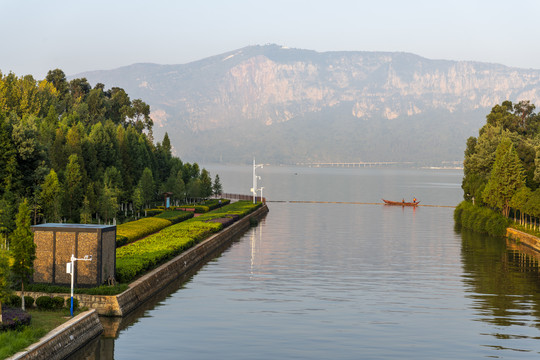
502,164
78,153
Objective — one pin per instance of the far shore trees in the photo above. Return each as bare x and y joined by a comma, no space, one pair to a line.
502,166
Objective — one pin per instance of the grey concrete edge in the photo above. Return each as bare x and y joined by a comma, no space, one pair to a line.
54,336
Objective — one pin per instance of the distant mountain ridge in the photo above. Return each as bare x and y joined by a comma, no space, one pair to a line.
291,105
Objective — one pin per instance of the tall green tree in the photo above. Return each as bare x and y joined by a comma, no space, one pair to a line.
206,184
23,248
505,179
519,202
147,186
73,188
217,188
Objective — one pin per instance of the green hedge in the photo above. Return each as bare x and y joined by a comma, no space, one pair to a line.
137,258
237,209
480,219
215,203
175,216
135,230
100,290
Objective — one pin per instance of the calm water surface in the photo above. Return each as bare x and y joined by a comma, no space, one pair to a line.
345,281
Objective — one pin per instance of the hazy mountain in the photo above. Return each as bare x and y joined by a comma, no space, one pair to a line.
289,105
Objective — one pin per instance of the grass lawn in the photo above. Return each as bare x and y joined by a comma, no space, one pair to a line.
42,322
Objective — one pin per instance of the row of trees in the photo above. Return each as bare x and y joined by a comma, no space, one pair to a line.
78,153
18,264
502,165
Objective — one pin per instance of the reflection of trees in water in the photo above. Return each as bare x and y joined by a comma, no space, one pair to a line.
503,281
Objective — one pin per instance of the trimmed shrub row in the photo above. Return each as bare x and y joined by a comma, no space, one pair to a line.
237,209
480,219
175,216
42,302
99,290
135,230
139,257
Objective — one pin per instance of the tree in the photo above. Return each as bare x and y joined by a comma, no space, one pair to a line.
519,202
5,288
86,212
533,205
146,184
206,184
74,187
194,188
108,203
22,247
179,188
217,188
137,198
505,179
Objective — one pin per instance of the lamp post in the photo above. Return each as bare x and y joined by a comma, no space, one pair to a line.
70,270
255,177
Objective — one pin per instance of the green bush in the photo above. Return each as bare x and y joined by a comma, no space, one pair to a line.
100,290
45,303
480,219
28,301
135,230
121,240
14,301
153,212
135,259
58,302
75,303
175,216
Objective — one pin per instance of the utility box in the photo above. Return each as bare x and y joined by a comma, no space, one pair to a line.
55,243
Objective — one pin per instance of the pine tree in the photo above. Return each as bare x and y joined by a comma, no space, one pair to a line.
507,176
217,188
23,247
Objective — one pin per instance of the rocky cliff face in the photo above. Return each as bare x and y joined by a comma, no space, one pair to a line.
266,87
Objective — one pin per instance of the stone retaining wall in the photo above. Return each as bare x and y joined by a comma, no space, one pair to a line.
65,339
146,286
526,239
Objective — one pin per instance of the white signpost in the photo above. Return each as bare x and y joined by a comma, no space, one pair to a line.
70,270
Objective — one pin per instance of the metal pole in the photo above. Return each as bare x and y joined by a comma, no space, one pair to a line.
72,271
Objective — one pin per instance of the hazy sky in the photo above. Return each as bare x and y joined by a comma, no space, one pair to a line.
76,36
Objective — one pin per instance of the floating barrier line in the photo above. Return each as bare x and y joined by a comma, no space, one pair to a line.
348,203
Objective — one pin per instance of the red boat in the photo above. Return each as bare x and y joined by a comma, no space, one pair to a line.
401,203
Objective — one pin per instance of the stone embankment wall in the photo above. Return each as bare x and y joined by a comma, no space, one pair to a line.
146,286
526,239
65,339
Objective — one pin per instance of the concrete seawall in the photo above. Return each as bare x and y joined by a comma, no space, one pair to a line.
528,240
65,339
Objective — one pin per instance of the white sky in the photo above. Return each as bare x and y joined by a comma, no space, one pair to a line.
76,36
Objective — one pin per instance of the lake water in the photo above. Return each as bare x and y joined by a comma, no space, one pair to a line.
345,281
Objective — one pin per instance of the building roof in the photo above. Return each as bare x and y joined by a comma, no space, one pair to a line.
72,226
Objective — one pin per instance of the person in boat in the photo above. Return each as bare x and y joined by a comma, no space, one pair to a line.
414,200
403,200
